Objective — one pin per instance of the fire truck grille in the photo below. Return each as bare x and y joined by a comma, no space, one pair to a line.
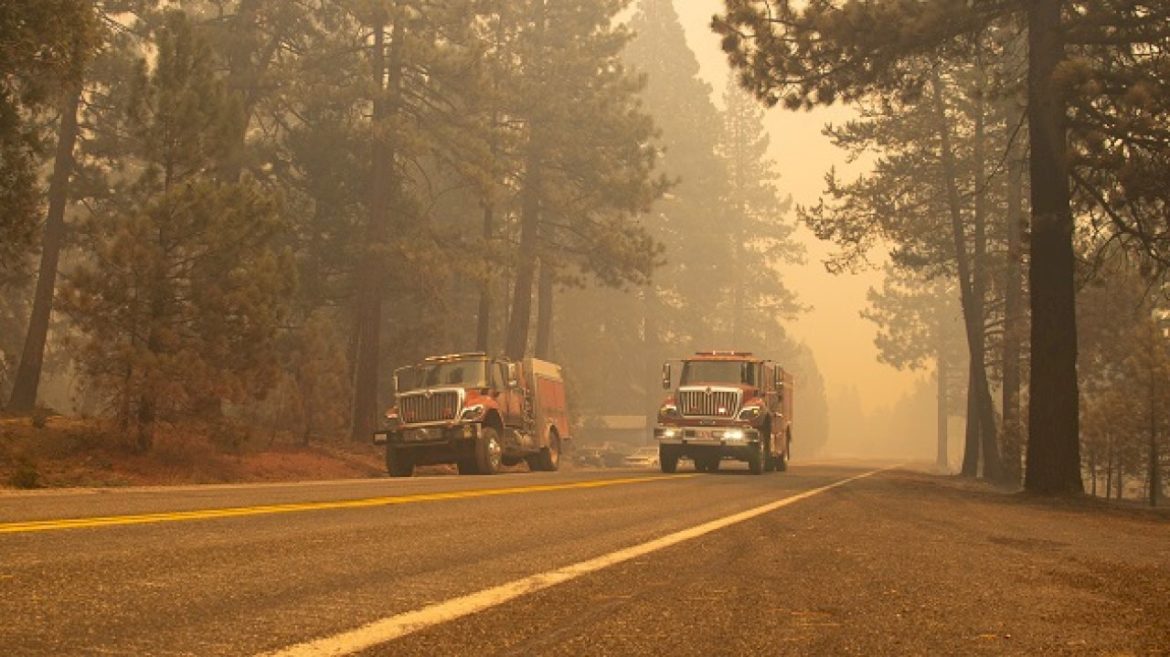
433,407
704,403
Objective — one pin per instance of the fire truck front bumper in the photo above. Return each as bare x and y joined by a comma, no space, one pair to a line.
435,434
426,435
706,436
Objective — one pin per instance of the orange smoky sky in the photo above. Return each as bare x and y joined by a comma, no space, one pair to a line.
841,340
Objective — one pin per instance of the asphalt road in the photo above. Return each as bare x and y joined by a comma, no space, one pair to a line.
581,563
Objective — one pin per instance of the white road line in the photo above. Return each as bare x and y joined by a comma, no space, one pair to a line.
393,627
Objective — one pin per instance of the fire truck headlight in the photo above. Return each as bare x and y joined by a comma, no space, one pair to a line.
669,410
669,433
473,412
750,413
733,434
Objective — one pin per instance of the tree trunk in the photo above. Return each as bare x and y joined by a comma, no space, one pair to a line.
980,412
244,71
484,324
970,467
651,352
544,312
1154,476
1054,461
28,373
1093,471
517,344
1013,318
943,459
1109,472
371,275
989,439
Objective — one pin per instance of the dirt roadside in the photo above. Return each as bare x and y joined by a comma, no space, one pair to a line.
67,452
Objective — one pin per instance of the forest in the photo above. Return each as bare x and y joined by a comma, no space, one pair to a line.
252,212
247,213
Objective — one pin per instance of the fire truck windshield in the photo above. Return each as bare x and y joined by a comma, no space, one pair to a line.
718,371
459,374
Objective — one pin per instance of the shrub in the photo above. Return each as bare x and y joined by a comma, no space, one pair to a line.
25,475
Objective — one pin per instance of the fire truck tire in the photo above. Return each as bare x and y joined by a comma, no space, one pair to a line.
398,463
667,460
466,467
756,459
549,458
782,460
488,452
772,461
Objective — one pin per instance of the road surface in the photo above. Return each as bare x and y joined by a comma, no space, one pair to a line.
821,560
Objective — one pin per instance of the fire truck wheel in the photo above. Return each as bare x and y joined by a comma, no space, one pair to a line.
771,461
756,459
466,467
782,460
488,452
549,458
398,463
667,460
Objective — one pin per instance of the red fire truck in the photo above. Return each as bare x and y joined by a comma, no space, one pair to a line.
728,404
478,413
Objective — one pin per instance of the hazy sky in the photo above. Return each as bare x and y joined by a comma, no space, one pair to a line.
840,338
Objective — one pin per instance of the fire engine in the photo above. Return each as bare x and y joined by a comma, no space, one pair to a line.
728,405
477,412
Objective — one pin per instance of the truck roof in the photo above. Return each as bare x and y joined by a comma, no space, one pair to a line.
726,355
462,356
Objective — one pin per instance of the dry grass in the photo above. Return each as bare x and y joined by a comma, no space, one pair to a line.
65,451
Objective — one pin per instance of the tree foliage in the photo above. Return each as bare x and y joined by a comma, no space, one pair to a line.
46,43
185,291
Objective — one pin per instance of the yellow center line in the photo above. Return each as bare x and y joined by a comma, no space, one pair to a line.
294,507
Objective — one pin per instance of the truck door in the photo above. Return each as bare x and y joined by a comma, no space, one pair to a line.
511,397
771,394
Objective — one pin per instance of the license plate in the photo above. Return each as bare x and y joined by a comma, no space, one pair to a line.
419,434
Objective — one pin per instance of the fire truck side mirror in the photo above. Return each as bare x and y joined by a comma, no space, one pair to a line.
779,387
512,378
666,376
398,378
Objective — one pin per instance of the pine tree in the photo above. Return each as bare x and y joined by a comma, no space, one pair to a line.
760,235
928,197
52,43
919,321
588,164
184,294
1124,368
